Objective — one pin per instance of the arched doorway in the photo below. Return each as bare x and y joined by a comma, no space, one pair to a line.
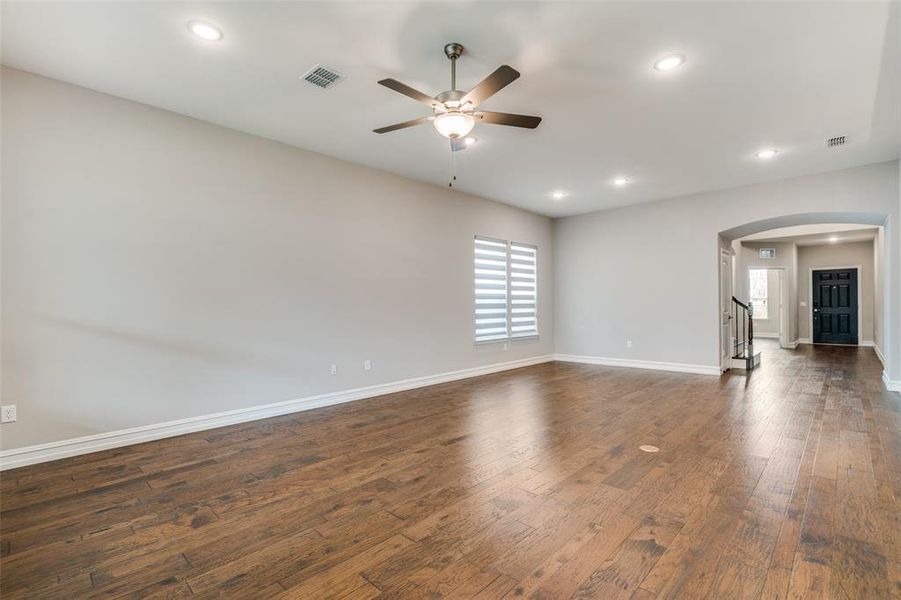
728,276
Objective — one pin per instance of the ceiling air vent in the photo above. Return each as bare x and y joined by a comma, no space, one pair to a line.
835,141
323,77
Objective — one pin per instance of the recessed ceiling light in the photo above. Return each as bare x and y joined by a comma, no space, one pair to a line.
767,153
669,62
620,181
469,141
833,239
205,31
558,195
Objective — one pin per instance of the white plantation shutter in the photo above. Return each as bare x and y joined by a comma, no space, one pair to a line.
491,289
523,290
506,289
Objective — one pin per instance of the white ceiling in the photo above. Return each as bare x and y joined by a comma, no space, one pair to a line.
816,235
758,74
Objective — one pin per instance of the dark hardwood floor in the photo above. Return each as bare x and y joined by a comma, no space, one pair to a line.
528,483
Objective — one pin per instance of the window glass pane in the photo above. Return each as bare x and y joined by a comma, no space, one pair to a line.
758,283
523,290
758,292
491,289
760,308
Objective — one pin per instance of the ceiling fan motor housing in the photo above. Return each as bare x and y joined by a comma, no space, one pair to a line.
450,96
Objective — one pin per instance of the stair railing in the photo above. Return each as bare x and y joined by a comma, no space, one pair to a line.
743,328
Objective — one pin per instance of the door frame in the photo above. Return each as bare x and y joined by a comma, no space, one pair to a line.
783,295
726,285
810,271
784,315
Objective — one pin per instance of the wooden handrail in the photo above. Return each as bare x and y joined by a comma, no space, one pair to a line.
740,303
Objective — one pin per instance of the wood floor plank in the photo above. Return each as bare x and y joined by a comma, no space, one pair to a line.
529,483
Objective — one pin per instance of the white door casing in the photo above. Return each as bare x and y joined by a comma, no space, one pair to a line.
725,309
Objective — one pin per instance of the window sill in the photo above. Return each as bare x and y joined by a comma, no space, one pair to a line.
507,340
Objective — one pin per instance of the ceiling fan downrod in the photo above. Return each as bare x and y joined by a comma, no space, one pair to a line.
453,51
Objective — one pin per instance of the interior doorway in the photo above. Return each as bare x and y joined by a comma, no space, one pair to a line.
797,245
769,295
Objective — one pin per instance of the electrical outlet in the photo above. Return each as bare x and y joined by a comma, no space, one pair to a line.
367,365
8,413
628,343
506,346
334,369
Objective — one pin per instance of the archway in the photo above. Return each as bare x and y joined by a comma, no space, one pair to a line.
727,237
837,218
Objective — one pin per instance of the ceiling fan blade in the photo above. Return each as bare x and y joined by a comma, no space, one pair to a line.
501,78
498,118
403,125
406,90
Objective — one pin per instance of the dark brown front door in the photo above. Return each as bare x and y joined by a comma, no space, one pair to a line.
835,306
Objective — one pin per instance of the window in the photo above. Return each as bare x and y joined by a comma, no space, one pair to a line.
506,290
759,293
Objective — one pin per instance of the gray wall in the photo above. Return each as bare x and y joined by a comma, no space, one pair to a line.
618,271
157,267
838,255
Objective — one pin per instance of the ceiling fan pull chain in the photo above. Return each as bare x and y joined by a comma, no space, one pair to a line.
451,176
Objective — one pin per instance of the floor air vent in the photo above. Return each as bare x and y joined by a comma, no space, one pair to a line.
323,77
835,141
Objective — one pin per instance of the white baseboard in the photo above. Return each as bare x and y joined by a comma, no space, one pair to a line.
29,455
879,354
892,386
641,364
758,334
863,343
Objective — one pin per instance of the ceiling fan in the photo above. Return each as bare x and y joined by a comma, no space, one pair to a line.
454,112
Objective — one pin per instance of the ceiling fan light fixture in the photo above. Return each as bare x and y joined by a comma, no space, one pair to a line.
454,125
